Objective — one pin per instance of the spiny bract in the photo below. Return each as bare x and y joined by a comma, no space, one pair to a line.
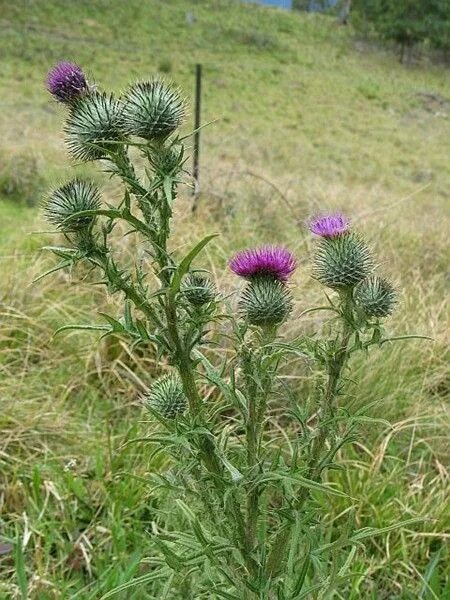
376,297
73,197
265,302
342,261
166,397
94,126
198,289
152,110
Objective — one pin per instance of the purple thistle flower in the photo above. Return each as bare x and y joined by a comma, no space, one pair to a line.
268,261
66,82
329,226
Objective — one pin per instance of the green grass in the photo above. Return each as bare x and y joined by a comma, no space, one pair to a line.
306,119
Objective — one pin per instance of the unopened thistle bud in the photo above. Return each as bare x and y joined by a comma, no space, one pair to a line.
67,82
265,302
198,289
342,261
166,161
152,110
375,296
94,126
69,199
166,397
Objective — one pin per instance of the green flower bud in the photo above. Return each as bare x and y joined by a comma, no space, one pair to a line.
166,397
375,296
342,261
265,302
198,290
166,161
94,126
69,199
152,110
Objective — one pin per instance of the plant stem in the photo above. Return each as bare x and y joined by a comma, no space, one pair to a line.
335,367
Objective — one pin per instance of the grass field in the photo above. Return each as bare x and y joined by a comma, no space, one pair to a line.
306,117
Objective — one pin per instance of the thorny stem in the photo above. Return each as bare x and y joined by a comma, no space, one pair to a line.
257,394
120,282
335,367
181,354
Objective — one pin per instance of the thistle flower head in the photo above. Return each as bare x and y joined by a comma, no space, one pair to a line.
198,289
375,296
166,397
152,110
73,197
329,226
265,302
272,262
342,261
67,82
94,126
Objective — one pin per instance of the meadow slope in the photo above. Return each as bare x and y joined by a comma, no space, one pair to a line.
305,118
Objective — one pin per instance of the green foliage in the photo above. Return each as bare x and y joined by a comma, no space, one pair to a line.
408,22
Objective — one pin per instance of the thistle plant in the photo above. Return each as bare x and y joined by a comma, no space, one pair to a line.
246,492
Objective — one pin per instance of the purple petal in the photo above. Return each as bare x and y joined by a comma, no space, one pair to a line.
270,261
329,226
66,82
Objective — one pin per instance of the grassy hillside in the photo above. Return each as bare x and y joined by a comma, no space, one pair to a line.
305,118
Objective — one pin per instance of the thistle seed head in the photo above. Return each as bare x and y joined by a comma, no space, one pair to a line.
265,302
375,296
94,126
198,289
66,82
152,110
166,397
273,262
73,197
342,261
